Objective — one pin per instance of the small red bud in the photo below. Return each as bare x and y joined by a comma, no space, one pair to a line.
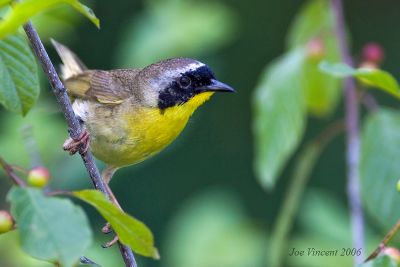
38,177
315,49
373,52
6,222
393,253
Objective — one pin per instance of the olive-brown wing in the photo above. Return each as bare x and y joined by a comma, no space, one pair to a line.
108,87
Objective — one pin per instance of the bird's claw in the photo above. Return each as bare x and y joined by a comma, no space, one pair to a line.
106,229
81,145
111,243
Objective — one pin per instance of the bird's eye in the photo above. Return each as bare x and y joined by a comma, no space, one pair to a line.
184,82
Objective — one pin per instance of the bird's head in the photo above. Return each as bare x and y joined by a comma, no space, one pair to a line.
179,81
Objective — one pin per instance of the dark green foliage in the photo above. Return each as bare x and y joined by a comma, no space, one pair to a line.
19,82
50,228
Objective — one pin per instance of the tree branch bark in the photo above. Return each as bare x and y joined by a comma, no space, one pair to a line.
74,126
352,135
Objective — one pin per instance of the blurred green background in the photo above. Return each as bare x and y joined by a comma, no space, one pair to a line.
200,196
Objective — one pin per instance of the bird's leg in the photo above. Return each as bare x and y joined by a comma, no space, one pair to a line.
107,174
111,243
81,145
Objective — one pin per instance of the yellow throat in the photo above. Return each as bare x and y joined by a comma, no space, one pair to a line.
147,132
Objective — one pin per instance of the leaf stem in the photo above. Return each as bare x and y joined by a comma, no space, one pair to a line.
389,236
19,169
10,172
75,128
352,135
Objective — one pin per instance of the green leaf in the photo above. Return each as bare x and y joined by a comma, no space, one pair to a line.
130,231
313,20
84,10
383,261
339,70
4,2
50,228
315,23
279,115
371,77
322,90
159,33
19,82
23,11
379,166
63,21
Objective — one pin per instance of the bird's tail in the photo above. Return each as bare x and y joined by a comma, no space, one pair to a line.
72,64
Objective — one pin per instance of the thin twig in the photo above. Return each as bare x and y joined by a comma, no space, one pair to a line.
10,172
330,132
352,135
75,128
389,236
369,102
19,169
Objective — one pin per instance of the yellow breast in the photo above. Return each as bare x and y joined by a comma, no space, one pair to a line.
146,132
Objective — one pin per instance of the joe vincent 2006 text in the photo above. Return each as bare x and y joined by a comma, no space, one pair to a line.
313,252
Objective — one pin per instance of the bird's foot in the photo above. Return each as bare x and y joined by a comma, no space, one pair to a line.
106,229
111,243
81,145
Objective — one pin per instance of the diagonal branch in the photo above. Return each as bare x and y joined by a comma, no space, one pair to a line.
352,135
74,126
10,172
389,236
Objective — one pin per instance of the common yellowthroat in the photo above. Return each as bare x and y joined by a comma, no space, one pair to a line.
132,114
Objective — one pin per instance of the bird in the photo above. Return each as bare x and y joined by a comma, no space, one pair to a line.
130,115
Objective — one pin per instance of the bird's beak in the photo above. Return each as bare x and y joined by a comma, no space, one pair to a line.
215,86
